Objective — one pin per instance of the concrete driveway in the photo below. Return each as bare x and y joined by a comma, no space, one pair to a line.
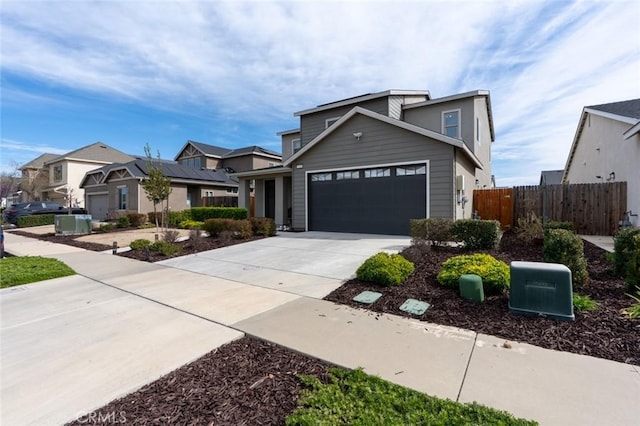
71,345
311,264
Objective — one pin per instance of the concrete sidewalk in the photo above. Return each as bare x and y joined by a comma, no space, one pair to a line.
142,299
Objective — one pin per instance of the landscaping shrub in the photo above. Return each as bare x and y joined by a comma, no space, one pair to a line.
204,213
174,218
495,273
584,303
568,226
530,228
626,256
190,224
36,220
164,248
263,226
435,231
386,269
477,234
195,238
238,228
123,222
139,244
105,227
170,236
137,219
565,247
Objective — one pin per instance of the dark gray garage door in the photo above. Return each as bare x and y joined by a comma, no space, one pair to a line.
371,201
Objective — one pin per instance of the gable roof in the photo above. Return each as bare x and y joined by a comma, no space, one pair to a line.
97,152
551,177
364,98
256,150
623,111
39,161
392,121
220,152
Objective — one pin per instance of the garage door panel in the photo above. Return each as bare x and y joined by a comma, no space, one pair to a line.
381,205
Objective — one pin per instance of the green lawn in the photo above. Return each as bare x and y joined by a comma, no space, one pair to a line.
29,269
355,398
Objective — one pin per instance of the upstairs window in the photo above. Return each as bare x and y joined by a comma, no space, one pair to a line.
296,145
329,121
451,123
194,163
57,173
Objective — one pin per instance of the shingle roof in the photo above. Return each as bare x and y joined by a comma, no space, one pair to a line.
39,161
250,150
98,152
630,108
217,151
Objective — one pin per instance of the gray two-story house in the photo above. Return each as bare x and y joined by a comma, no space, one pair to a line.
371,163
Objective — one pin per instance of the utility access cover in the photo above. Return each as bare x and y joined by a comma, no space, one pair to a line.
415,307
367,297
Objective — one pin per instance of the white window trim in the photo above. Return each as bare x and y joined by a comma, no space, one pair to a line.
459,111
329,121
309,172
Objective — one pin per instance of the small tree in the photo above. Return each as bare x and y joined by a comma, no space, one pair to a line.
157,186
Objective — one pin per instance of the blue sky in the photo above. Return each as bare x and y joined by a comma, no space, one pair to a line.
228,73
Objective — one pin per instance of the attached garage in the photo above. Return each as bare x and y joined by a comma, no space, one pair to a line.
374,200
98,206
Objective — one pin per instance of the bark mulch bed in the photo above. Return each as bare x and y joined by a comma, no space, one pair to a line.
604,333
246,382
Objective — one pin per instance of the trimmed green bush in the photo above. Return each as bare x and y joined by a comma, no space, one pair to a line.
204,213
36,220
239,228
435,231
263,226
477,234
124,222
137,219
559,225
386,269
190,224
626,256
139,244
164,248
565,247
495,273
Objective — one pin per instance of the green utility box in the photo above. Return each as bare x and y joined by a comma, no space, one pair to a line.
539,288
73,224
471,287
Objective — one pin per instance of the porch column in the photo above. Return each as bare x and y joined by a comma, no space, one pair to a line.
281,210
244,193
259,197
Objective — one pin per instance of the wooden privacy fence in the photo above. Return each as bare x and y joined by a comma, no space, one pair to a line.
593,208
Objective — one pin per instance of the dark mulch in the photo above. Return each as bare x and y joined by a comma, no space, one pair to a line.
246,382
604,333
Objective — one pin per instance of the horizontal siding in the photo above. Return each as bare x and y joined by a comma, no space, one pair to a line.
380,143
311,125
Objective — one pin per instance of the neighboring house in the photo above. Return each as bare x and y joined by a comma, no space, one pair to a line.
606,148
35,178
116,188
551,177
54,178
371,163
202,156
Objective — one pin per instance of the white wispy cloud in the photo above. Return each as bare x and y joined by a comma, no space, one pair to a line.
261,61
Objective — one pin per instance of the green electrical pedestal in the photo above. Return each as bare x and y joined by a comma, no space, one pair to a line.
471,287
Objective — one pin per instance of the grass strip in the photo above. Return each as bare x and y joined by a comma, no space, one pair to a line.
29,269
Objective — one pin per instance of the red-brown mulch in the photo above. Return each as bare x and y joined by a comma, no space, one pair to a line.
605,333
246,382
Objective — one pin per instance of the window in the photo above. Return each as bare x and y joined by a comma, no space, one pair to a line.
296,145
351,174
197,163
194,163
57,173
122,198
208,193
329,121
411,170
319,177
374,173
451,123
478,131
232,190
